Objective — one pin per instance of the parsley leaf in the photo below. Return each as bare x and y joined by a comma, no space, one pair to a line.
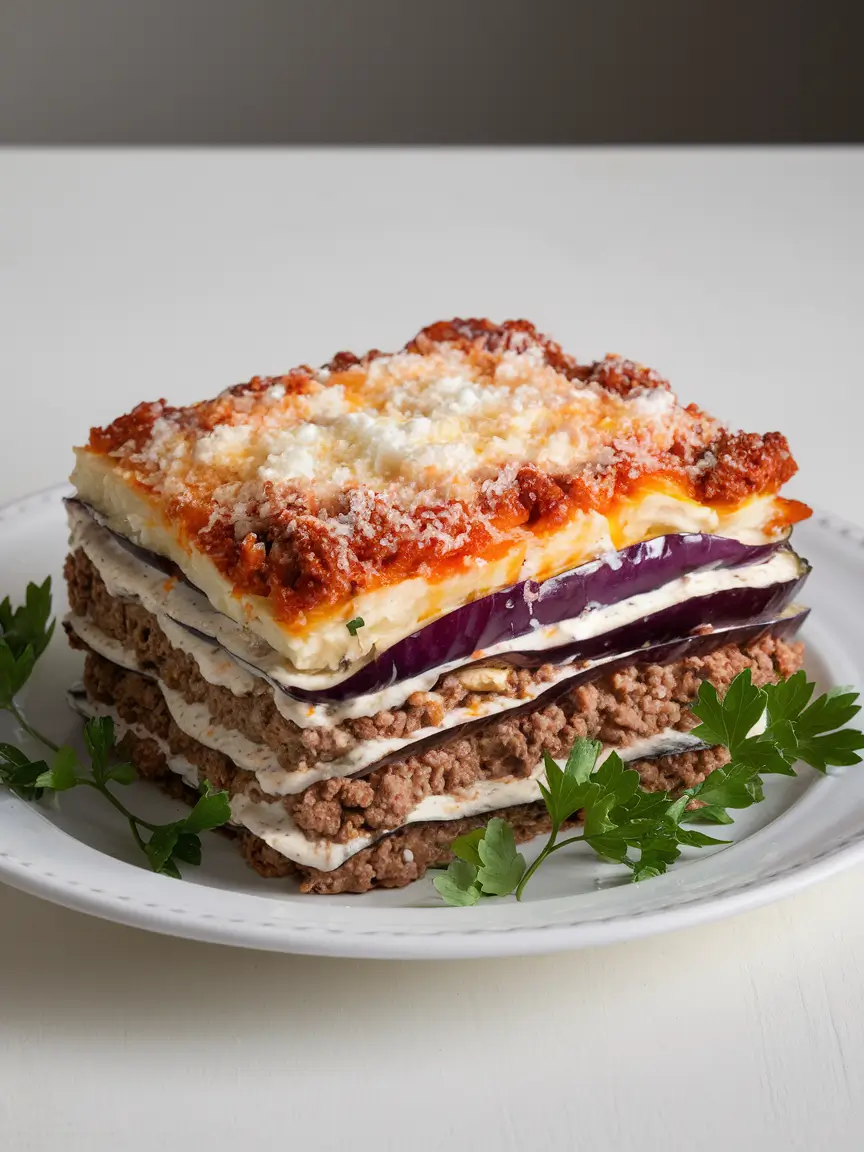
211,811
729,787
646,870
15,671
99,738
609,845
655,857
597,812
63,773
458,884
830,711
774,754
28,626
833,749
179,840
486,864
24,635
19,772
121,774
169,868
565,789
465,847
25,632
728,722
694,839
709,814
623,823
787,699
188,848
818,743
355,625
501,865
161,845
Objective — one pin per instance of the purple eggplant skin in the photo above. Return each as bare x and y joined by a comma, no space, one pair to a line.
783,625
518,610
731,607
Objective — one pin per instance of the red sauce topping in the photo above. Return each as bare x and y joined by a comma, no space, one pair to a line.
307,556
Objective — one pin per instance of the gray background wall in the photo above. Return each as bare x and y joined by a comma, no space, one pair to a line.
436,71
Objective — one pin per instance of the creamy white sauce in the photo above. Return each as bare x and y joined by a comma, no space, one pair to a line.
272,823
390,613
274,779
393,612
215,664
274,826
102,643
196,721
125,575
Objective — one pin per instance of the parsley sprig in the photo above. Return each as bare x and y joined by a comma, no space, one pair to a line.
24,635
624,824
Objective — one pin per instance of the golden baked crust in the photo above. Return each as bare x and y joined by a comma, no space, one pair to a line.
475,441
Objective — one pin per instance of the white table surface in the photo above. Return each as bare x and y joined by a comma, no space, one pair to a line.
740,274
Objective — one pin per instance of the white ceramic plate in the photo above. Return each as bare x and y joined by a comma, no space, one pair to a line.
79,853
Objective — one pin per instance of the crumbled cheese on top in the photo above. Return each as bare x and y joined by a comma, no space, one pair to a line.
414,429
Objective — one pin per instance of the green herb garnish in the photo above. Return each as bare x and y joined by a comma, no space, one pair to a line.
24,636
643,830
355,625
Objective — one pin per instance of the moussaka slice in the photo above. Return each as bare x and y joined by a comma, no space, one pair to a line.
365,599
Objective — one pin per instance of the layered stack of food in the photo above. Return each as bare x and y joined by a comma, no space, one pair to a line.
366,598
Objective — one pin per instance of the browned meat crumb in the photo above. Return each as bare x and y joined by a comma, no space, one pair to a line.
618,708
403,857
257,716
633,702
138,701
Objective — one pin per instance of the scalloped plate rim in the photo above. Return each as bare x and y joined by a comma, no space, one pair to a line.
371,931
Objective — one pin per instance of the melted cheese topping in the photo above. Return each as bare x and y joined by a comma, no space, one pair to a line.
424,423
125,576
399,487
391,613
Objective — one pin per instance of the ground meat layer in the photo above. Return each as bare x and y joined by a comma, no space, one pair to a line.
405,855
617,708
256,716
621,706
